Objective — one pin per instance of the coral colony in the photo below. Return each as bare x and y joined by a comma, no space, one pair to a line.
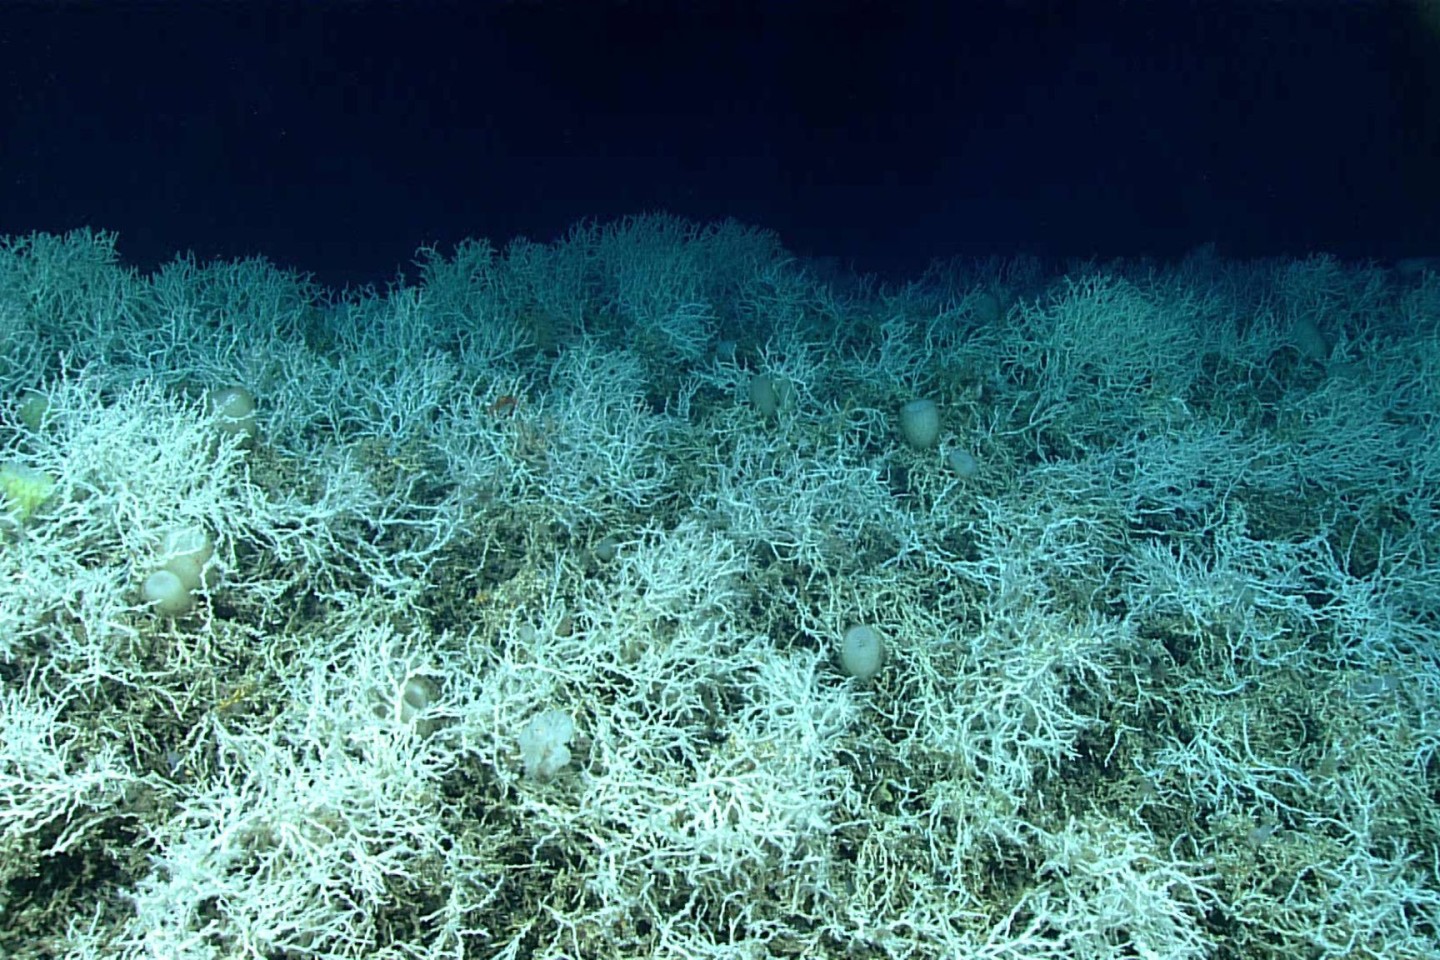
646,594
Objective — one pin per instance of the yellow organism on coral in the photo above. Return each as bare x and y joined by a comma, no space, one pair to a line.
24,490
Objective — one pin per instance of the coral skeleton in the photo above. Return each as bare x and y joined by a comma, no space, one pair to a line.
515,616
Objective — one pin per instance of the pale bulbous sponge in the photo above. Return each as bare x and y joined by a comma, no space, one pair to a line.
862,652
545,744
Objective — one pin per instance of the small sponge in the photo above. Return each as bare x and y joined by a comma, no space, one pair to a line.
862,652
545,744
